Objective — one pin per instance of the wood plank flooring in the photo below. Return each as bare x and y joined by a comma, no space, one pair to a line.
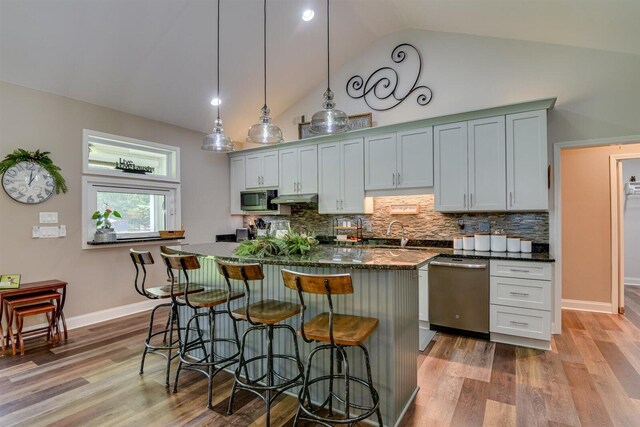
591,377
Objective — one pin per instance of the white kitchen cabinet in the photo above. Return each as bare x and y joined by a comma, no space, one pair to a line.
261,169
520,303
237,181
399,160
527,161
298,170
486,163
425,333
450,167
341,177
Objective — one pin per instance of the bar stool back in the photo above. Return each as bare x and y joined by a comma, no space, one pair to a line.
265,315
337,331
141,259
210,363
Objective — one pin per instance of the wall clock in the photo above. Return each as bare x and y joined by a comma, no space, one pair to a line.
31,177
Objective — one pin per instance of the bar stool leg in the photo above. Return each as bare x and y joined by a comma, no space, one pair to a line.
370,381
240,363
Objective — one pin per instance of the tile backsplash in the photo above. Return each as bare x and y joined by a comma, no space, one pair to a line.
426,224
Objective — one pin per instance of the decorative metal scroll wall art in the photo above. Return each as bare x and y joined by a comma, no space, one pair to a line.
383,89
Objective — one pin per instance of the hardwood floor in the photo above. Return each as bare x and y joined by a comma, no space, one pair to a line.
591,377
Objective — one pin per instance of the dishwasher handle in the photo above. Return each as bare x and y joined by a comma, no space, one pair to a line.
481,266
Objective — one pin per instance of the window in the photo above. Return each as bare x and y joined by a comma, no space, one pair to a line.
145,203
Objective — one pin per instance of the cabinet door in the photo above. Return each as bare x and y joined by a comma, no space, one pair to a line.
328,177
253,171
352,176
380,162
308,169
487,175
415,158
288,171
450,167
423,294
270,169
236,181
527,161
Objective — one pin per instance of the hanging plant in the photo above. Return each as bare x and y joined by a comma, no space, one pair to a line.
40,157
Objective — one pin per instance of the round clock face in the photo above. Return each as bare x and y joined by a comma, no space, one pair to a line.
28,182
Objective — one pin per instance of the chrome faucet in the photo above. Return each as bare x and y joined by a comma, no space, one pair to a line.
403,241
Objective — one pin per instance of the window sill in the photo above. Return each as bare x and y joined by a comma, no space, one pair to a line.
132,242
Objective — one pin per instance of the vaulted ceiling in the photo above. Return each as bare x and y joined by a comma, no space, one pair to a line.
156,58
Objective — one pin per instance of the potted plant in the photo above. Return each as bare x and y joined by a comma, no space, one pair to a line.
104,232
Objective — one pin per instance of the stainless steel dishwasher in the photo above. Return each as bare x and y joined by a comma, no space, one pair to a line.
459,296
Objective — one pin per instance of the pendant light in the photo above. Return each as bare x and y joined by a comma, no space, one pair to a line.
264,132
218,141
329,120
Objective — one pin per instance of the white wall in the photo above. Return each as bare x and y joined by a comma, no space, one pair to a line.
597,91
98,278
631,226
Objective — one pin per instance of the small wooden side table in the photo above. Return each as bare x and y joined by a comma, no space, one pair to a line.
34,288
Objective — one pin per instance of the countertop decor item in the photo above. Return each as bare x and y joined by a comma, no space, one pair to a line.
482,242
380,90
265,246
468,243
218,141
31,176
104,232
329,120
513,244
168,234
10,281
498,241
265,132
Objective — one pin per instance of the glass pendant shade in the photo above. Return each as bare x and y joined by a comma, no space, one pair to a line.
265,132
217,141
329,120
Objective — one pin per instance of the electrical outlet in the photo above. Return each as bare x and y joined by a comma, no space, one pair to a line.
48,217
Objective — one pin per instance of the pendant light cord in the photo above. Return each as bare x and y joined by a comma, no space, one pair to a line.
218,60
264,28
328,52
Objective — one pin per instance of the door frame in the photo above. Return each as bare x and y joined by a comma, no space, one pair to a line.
555,223
617,230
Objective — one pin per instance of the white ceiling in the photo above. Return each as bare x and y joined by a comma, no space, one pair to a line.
156,58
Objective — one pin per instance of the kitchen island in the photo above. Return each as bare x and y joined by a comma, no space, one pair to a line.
385,282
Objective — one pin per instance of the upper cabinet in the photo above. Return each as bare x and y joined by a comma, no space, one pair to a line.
493,164
261,169
237,178
341,177
527,161
399,160
299,170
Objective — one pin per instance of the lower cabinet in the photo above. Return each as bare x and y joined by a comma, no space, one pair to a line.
425,334
520,303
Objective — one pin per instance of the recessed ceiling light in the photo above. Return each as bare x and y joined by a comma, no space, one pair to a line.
216,101
307,15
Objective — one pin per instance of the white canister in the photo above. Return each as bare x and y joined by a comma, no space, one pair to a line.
525,245
498,243
513,244
468,243
482,242
457,242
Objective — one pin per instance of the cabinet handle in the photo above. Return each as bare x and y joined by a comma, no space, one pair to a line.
394,179
510,198
522,294
337,204
464,200
341,204
295,186
515,270
299,186
519,323
471,200
399,180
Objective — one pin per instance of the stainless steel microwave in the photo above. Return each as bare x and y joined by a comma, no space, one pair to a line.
258,200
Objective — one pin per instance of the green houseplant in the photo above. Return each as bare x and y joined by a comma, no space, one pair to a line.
264,246
104,232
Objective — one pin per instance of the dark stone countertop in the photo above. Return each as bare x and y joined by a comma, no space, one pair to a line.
512,256
372,258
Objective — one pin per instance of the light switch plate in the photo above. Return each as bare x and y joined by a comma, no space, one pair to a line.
35,232
63,231
48,217
49,232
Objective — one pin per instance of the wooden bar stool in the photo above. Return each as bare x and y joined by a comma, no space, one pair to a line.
171,291
47,308
11,303
210,363
338,331
265,315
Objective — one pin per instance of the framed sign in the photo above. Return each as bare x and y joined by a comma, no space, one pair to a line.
404,209
356,121
10,281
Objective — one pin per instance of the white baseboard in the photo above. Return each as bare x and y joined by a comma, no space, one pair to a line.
109,314
632,281
597,307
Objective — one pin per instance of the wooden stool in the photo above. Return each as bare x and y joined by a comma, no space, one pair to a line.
12,302
338,331
33,310
264,315
140,260
211,363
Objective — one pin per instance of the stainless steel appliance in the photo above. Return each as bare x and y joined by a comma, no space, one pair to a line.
296,199
258,200
459,296
242,234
